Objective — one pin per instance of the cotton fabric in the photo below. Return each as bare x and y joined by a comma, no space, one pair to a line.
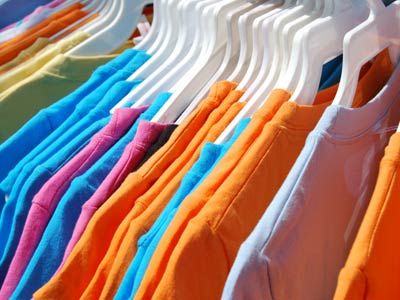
14,11
34,175
103,225
38,10
146,135
217,220
147,243
45,262
46,200
9,52
155,200
31,31
208,187
311,224
86,111
30,67
371,269
25,55
161,141
41,126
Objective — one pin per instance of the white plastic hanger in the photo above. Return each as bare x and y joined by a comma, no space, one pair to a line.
163,47
271,37
294,66
285,30
380,31
102,8
233,43
241,20
255,74
251,50
237,40
159,22
90,5
208,62
123,21
149,89
322,41
167,9
180,39
183,65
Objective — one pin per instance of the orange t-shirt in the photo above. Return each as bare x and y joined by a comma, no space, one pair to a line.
76,26
53,17
372,270
143,216
95,241
214,220
9,52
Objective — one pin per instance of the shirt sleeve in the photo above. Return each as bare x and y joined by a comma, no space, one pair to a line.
249,276
198,266
352,284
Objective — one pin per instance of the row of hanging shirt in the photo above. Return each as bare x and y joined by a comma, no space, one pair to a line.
232,152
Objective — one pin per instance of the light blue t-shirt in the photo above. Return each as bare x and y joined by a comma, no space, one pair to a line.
307,230
83,115
50,251
16,210
42,129
210,155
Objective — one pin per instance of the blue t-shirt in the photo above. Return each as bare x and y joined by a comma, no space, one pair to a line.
210,155
333,79
87,111
49,253
329,71
15,10
39,130
17,207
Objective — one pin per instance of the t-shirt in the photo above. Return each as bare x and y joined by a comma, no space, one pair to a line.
210,155
26,54
162,139
46,200
103,225
41,25
33,15
49,253
331,72
210,184
11,51
371,270
217,220
70,73
33,177
146,135
26,69
12,31
313,219
141,218
13,11
87,111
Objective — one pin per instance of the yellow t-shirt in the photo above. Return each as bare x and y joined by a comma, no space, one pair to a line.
26,54
61,76
24,70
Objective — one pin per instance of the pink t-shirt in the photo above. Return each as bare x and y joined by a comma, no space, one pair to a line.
147,134
46,200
